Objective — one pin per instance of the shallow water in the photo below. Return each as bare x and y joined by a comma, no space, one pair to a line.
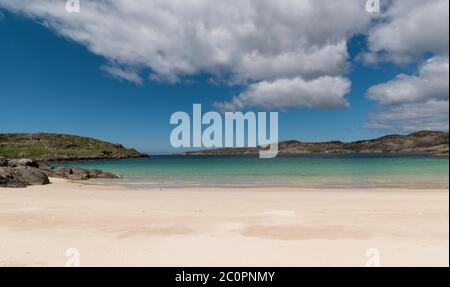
308,170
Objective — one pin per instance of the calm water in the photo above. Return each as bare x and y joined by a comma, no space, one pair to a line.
315,171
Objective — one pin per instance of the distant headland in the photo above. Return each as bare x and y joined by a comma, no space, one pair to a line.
423,142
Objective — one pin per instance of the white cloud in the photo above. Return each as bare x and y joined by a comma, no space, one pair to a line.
121,73
323,92
287,53
431,83
411,117
236,41
309,63
410,28
413,103
407,32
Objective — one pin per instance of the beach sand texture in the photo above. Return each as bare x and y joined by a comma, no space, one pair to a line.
285,226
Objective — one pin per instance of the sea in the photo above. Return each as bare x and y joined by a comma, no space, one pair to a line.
322,171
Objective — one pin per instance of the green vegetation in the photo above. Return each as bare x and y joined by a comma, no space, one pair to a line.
55,147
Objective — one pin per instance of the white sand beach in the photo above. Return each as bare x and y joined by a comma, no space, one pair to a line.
120,226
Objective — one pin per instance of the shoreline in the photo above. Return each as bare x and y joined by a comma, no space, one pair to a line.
262,187
146,174
276,226
81,160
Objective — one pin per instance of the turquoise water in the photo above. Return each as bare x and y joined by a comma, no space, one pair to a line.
313,171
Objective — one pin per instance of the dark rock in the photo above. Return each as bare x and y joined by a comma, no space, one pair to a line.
11,183
94,173
61,172
23,162
22,174
30,175
77,173
71,173
3,161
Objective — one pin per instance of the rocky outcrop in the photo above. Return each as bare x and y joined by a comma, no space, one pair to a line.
76,173
30,175
20,173
11,183
24,157
424,142
21,176
22,162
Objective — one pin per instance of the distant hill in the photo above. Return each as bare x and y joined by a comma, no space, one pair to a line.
61,147
427,142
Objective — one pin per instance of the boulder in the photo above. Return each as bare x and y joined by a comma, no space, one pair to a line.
60,172
30,175
22,176
77,173
70,173
94,173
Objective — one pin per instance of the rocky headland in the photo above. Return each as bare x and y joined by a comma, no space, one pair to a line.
25,158
58,148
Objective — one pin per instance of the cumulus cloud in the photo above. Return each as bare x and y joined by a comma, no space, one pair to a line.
411,117
323,92
285,53
237,41
431,83
408,29
405,33
415,102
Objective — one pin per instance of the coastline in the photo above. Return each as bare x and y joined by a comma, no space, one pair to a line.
89,159
115,225
261,187
322,172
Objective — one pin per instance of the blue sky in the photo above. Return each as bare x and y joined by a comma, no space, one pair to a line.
51,83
